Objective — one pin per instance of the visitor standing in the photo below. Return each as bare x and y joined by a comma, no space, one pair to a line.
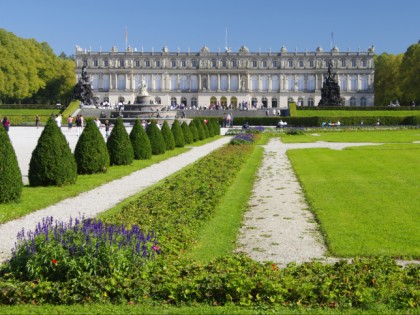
98,123
37,121
107,125
79,124
58,120
6,123
69,123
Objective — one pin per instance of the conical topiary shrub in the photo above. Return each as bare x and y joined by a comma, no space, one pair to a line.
200,129
188,137
216,126
119,145
91,153
140,142
156,138
206,129
193,130
178,134
168,136
11,184
52,162
210,128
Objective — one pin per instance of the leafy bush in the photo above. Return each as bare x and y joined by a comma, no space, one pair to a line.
91,153
56,251
178,134
294,131
11,184
140,142
168,136
188,137
52,162
157,141
119,145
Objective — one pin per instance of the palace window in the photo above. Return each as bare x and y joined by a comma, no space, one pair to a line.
194,63
122,63
364,83
354,63
291,83
300,83
364,63
95,62
147,63
106,63
290,63
213,63
264,63
264,83
234,63
353,83
352,101
275,63
310,101
183,63
311,63
85,63
173,63
157,63
363,101
254,63
224,64
311,83
343,63
137,63
274,83
300,63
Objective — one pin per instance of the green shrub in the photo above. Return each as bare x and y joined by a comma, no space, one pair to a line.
52,162
194,131
119,145
206,129
11,184
210,128
178,134
168,136
294,131
188,137
156,138
200,129
216,126
292,109
140,142
91,153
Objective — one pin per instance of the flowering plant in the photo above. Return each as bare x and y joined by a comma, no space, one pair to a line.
58,251
243,138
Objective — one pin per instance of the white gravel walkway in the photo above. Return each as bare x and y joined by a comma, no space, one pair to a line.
278,226
101,198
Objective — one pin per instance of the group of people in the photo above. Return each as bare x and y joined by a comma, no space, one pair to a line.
227,120
331,124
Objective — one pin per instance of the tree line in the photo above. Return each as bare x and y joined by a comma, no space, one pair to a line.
31,73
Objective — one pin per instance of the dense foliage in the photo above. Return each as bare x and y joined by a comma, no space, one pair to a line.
194,131
178,134
11,184
58,251
91,153
156,138
168,136
140,142
188,137
30,72
52,162
119,145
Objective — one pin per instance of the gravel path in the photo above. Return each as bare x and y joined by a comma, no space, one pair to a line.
104,197
278,226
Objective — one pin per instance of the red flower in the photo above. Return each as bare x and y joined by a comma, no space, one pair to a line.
274,267
54,261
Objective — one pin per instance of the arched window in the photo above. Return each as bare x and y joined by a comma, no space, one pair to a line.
121,82
213,83
352,101
234,102
158,83
353,83
343,83
264,83
264,102
213,101
183,84
310,101
194,83
363,101
234,83
254,83
290,82
223,101
311,83
300,83
194,101
274,102
254,102
300,101
173,101
224,83
174,82
275,83
184,101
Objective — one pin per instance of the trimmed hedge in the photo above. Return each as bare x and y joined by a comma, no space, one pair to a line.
178,134
140,142
91,152
11,184
168,136
157,141
119,145
188,137
52,162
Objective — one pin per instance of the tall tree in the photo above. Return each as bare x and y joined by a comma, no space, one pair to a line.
387,79
410,74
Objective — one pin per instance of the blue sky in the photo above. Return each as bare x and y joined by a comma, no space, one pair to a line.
391,26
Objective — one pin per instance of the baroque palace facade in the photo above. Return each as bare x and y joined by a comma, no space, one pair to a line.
204,78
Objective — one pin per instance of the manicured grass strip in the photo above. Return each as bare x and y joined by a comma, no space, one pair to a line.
217,238
186,310
34,198
385,136
366,198
352,113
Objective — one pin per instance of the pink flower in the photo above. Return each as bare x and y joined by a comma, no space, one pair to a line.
155,248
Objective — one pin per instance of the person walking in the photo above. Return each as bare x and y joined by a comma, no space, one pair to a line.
79,123
6,123
37,121
69,123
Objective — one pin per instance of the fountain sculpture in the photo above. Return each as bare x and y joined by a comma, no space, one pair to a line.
330,91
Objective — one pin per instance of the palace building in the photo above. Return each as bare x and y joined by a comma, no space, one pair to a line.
258,79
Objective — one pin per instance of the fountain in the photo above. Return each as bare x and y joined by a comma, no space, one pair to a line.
146,108
330,91
82,91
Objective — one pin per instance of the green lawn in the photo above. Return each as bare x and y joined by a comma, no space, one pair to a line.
366,199
385,136
350,113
